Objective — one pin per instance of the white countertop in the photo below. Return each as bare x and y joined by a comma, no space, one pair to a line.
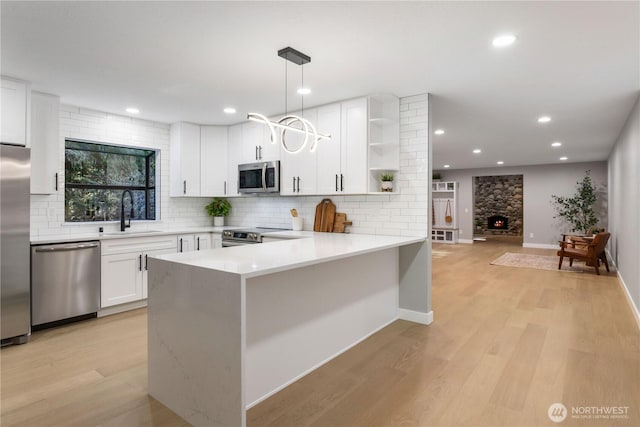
64,238
303,248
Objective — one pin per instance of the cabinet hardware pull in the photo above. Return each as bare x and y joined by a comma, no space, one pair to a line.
184,187
181,244
146,261
140,264
225,187
341,186
260,152
257,153
56,181
298,180
198,247
294,183
336,182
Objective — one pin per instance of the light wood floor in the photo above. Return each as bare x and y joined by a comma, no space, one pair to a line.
505,344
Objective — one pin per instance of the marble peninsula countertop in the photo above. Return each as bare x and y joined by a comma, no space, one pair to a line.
297,249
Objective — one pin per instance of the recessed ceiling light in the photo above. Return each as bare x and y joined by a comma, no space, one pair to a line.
446,166
564,158
439,132
500,162
544,119
304,91
504,40
477,151
556,144
229,110
132,110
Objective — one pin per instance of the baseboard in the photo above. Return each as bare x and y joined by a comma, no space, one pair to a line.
466,241
632,305
313,368
540,246
415,316
122,308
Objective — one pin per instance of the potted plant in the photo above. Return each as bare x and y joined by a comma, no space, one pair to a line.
387,181
436,177
218,209
578,209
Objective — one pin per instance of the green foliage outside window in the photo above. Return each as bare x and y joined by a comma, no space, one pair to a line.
96,176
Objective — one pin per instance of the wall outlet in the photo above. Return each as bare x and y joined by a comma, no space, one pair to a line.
531,235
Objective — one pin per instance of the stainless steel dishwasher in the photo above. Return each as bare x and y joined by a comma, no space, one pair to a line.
65,283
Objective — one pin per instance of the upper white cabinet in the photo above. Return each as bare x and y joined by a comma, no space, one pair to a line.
234,158
185,160
198,160
213,161
298,171
328,151
45,147
14,112
353,147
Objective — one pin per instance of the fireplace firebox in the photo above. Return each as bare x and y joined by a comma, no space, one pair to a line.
498,222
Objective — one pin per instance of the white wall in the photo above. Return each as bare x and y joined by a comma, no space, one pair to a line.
47,212
404,213
624,205
540,182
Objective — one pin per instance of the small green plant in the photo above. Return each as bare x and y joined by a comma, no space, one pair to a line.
578,209
218,207
387,177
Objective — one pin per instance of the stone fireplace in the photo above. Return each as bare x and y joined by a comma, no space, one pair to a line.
498,208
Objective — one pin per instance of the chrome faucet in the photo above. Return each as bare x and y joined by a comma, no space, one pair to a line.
123,226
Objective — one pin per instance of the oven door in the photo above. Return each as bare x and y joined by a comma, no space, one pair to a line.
261,177
230,243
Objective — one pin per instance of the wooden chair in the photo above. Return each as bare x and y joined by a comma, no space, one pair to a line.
592,253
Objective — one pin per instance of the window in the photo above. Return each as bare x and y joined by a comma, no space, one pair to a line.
96,175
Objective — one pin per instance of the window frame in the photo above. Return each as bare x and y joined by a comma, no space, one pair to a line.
146,188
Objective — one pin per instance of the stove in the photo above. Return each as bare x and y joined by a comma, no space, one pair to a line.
245,236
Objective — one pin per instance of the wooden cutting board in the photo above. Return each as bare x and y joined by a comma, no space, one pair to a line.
340,222
325,216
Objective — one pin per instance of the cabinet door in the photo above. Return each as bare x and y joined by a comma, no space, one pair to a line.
234,158
145,268
328,151
186,243
353,156
213,161
203,241
121,278
185,160
252,140
13,108
216,240
45,147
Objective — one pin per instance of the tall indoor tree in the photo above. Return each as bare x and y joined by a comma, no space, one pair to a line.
578,209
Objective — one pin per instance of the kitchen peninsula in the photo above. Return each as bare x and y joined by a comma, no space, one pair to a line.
229,327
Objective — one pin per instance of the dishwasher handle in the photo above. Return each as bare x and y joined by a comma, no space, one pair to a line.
71,247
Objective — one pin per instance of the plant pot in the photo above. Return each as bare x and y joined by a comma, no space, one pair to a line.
386,186
218,221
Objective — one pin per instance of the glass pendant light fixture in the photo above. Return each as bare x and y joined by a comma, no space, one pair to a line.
289,121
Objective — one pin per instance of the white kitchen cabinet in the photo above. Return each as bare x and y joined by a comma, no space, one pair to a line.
124,264
213,161
194,242
328,152
234,158
256,143
15,112
353,147
45,148
216,240
185,160
298,171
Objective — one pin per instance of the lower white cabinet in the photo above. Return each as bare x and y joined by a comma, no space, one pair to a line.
216,240
195,242
124,266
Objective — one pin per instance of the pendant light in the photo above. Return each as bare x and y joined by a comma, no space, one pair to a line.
287,122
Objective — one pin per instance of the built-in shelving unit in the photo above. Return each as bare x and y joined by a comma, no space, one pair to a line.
443,194
384,140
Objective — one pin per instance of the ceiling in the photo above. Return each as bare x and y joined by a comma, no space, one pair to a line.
577,62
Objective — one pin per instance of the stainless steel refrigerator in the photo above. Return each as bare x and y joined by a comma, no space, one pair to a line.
15,294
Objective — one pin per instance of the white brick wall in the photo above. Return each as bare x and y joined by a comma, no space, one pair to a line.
402,213
47,212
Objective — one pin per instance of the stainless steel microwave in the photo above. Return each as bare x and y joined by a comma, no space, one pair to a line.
262,177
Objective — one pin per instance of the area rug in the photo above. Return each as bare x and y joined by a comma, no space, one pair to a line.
540,262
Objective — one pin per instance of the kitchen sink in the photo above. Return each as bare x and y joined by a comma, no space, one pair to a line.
130,233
